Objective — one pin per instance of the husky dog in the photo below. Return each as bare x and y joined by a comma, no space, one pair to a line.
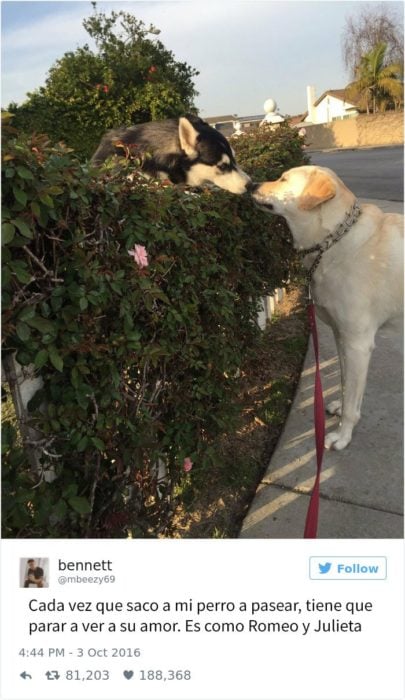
185,151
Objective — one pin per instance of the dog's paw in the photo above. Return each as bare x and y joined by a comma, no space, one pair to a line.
334,408
337,440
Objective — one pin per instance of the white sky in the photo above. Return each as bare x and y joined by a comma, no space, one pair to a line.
245,50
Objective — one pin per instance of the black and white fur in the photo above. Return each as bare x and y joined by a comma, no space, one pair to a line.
185,150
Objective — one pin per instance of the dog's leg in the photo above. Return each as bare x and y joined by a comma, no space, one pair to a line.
334,408
356,354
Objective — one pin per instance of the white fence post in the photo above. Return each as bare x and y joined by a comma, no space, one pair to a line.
262,316
270,302
24,383
268,305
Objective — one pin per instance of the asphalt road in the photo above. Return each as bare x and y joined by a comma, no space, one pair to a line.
372,173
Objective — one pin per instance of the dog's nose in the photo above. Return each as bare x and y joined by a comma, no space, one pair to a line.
252,187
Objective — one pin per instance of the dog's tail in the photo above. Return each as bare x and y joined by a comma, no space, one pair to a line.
107,146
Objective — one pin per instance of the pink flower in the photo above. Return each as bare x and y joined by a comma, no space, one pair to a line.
187,464
140,255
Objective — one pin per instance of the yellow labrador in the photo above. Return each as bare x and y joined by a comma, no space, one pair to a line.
354,257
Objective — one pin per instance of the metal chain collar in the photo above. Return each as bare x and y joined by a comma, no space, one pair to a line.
332,238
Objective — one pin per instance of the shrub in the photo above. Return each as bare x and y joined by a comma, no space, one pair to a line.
139,363
129,78
265,153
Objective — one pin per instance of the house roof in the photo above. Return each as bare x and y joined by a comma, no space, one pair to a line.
253,118
297,119
234,117
219,120
339,94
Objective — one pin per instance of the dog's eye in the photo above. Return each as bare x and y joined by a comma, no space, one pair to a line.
224,167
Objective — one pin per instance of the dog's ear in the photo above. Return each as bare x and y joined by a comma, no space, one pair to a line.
188,137
319,189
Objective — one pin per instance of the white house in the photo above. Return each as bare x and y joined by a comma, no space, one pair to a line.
331,106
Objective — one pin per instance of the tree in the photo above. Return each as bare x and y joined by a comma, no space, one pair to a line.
130,78
362,33
376,82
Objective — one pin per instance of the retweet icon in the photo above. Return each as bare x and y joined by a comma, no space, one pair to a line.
324,568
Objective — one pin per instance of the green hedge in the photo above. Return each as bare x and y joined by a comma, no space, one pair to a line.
139,364
266,154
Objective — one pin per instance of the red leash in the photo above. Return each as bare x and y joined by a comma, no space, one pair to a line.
311,523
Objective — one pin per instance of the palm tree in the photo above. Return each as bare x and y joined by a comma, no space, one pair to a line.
376,82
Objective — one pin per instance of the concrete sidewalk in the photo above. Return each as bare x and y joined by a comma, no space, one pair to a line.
362,486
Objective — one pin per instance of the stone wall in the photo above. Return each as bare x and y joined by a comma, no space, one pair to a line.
374,130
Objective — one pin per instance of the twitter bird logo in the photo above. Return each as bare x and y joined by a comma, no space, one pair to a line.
324,568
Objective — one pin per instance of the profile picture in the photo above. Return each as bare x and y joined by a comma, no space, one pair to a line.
34,573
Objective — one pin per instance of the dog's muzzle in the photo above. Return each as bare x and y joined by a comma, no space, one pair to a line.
253,191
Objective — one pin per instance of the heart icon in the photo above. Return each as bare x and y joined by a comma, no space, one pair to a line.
128,674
